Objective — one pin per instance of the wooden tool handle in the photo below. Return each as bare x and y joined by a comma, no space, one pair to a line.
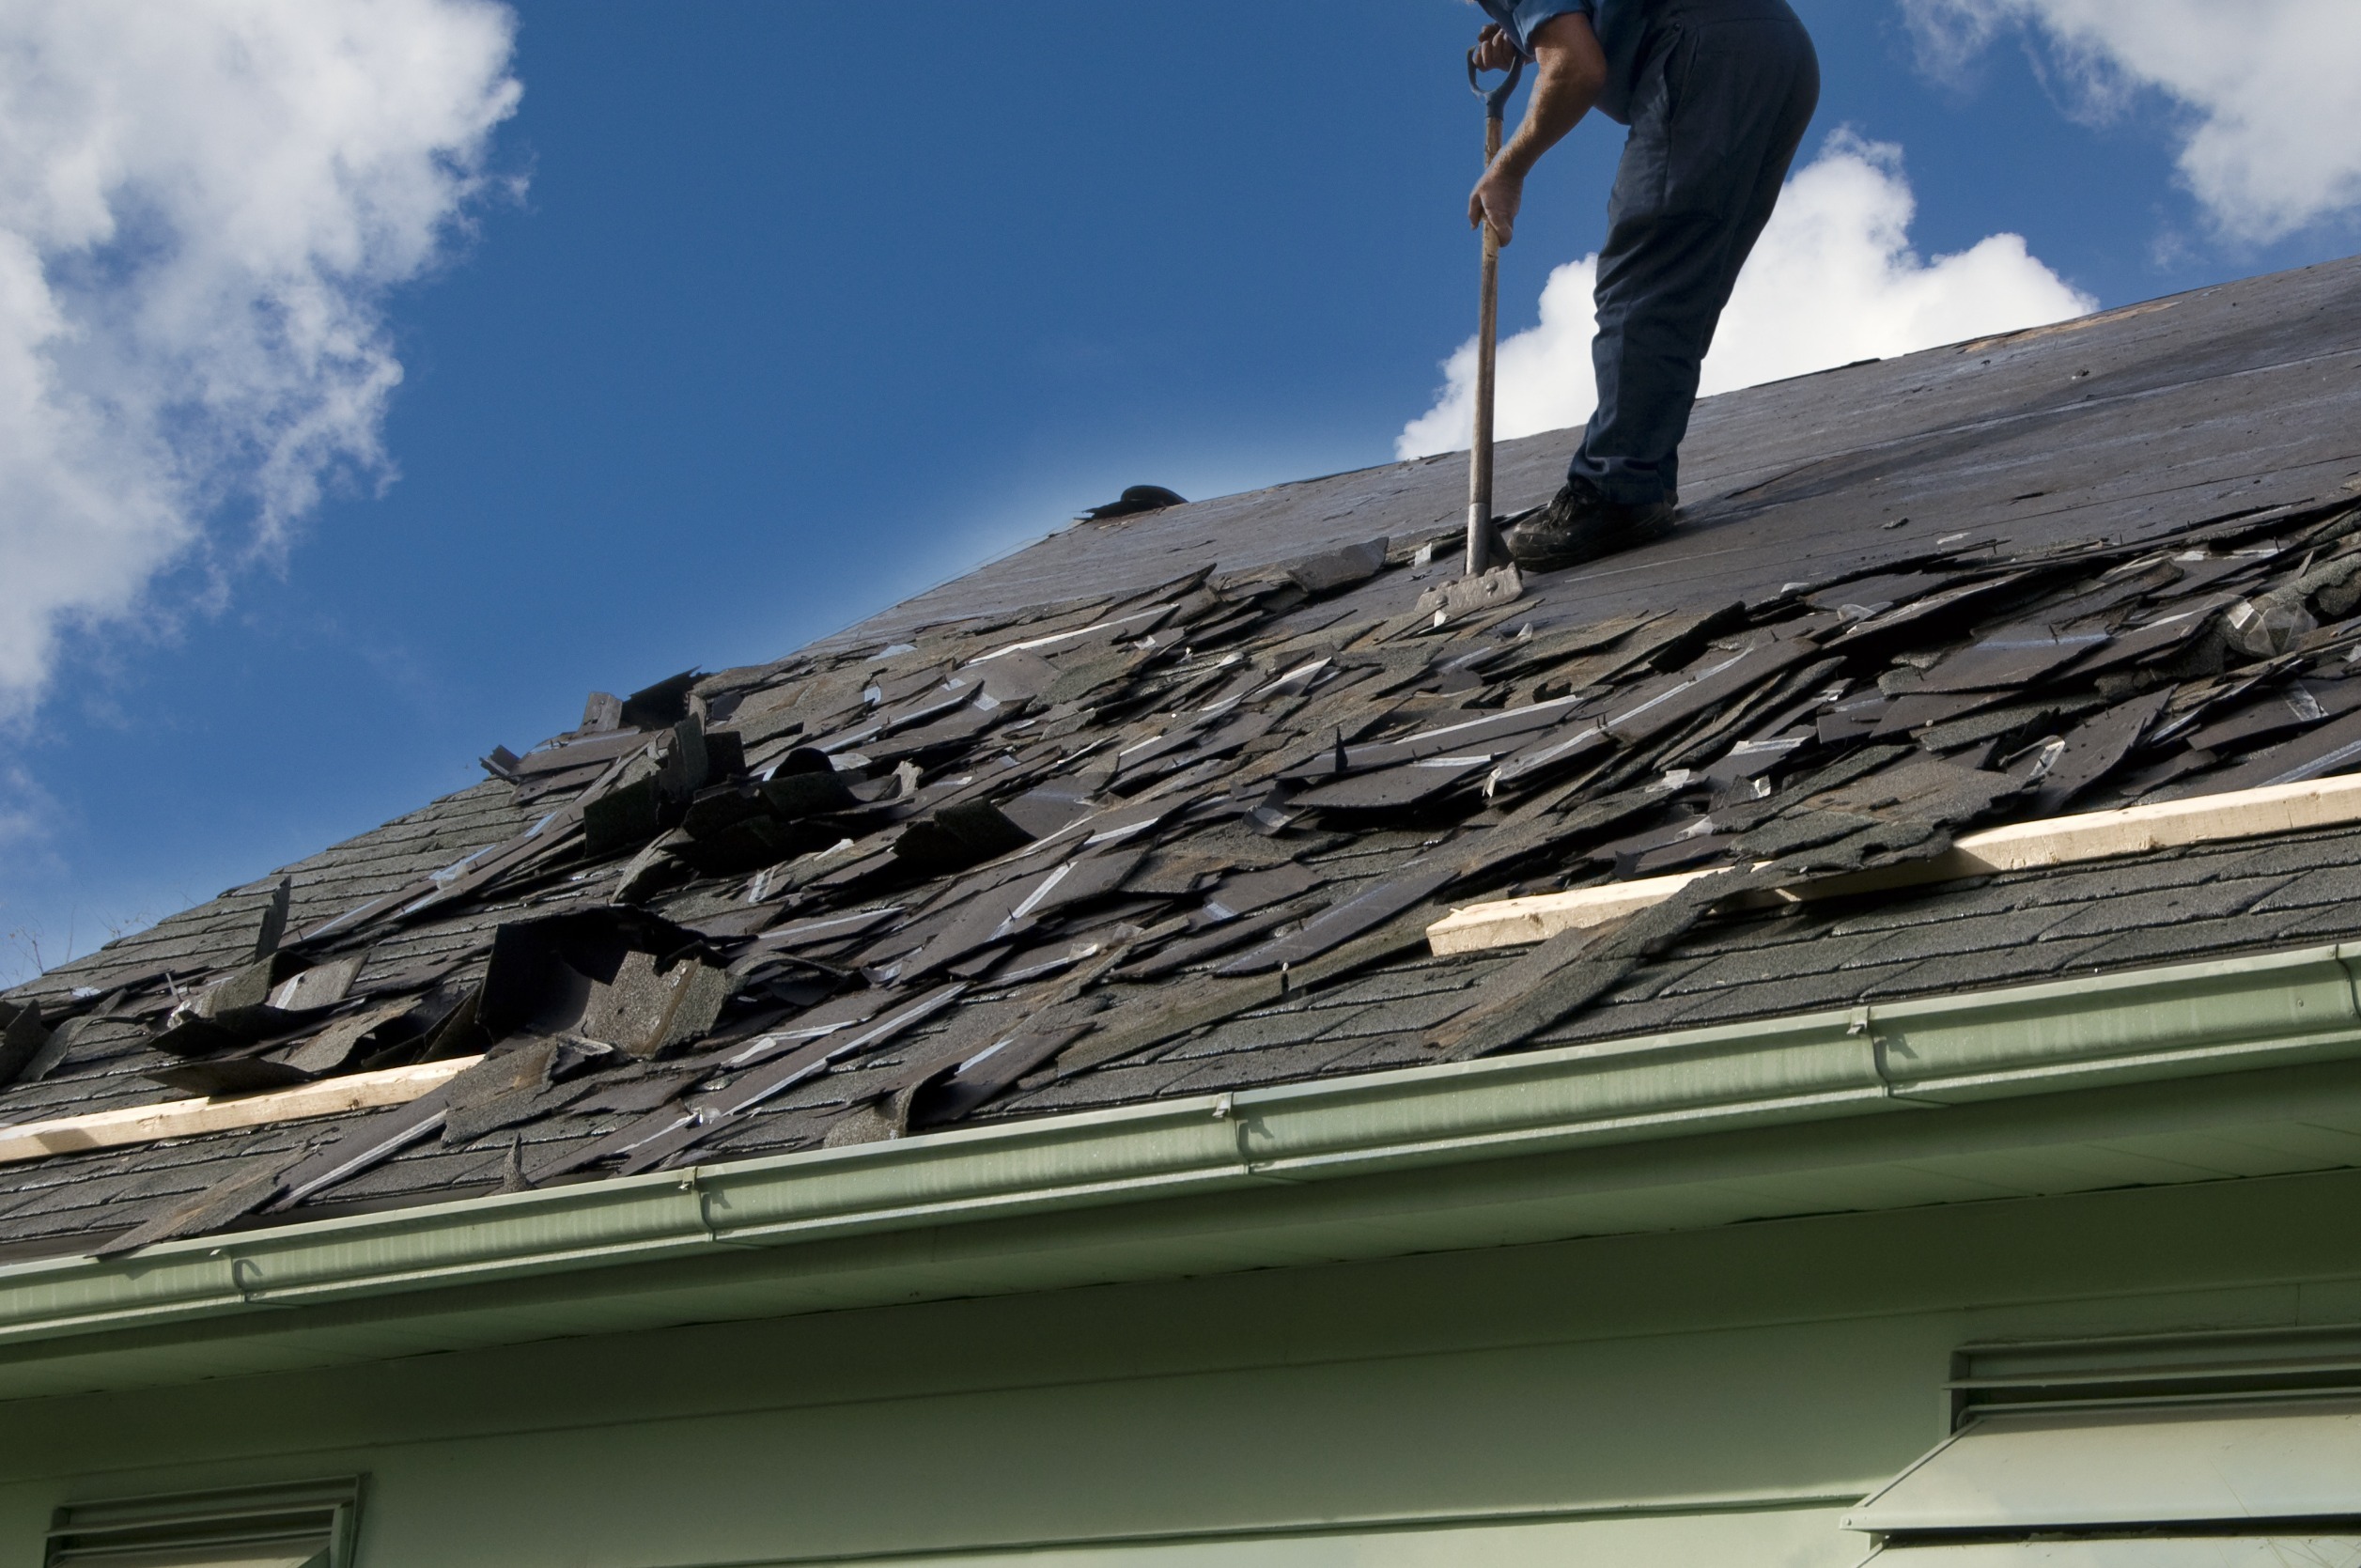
1487,334
1487,326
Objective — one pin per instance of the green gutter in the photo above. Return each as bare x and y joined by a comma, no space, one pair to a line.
1905,1058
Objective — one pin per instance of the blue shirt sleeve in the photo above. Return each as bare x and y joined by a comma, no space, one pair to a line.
1621,27
1522,16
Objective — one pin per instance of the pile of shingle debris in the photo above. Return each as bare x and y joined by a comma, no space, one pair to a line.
861,894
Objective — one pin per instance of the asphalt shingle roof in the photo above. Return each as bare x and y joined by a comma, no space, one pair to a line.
1162,804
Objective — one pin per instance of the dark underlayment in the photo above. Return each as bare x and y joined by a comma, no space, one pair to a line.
1163,805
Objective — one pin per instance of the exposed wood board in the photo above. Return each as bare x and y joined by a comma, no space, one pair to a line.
2019,845
146,1124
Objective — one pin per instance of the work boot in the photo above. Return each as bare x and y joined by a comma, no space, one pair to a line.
1582,524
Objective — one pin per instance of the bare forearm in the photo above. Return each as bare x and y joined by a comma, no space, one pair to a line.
1562,95
1572,75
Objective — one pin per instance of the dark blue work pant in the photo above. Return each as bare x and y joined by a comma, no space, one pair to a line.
1725,90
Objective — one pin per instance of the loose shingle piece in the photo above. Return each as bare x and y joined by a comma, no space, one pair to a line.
1182,829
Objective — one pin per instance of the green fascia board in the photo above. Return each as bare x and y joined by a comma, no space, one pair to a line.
1910,1058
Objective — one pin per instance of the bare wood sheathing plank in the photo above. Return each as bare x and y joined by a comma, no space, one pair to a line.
146,1124
2018,846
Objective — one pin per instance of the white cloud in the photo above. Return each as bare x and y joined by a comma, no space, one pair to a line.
2271,133
202,204
1832,280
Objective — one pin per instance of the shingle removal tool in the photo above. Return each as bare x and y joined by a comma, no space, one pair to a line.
1496,101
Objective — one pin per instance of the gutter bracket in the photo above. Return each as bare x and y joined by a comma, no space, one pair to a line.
1862,1023
2349,957
694,1186
1226,1109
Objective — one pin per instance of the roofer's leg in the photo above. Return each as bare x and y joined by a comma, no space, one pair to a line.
1723,106
1727,91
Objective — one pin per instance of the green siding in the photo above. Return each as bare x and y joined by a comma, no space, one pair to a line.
1708,1397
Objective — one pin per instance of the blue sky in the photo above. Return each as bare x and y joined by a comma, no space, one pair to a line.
765,315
